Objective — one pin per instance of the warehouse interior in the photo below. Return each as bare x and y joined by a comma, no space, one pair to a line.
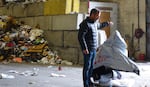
58,23
39,44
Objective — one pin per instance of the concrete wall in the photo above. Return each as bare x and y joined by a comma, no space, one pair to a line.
128,19
22,10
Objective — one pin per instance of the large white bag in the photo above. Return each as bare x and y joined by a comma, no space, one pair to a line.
113,53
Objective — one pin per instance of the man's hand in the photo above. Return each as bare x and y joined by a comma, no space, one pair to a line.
111,23
86,51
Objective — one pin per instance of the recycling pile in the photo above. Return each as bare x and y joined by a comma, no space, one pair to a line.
20,42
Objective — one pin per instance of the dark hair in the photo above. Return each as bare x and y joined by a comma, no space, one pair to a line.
94,11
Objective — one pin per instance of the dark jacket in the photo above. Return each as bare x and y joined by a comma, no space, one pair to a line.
87,34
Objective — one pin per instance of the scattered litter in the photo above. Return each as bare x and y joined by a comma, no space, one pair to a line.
13,71
30,73
57,75
65,62
31,83
26,73
35,72
6,76
49,66
59,67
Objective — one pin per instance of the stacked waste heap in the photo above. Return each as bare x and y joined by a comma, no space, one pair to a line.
20,42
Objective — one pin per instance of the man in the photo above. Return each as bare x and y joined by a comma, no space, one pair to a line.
88,40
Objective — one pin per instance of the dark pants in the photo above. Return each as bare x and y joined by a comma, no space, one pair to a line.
88,67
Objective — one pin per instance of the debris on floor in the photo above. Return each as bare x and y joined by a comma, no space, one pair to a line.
13,71
6,76
33,72
47,76
57,75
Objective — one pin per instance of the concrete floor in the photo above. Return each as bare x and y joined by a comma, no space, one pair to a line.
67,77
50,76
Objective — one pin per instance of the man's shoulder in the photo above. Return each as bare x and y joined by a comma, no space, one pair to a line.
84,22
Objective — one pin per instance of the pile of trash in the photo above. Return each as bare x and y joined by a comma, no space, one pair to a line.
20,42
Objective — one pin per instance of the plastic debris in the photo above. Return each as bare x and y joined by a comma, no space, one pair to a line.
31,83
59,67
49,66
34,72
65,62
26,73
57,75
6,76
13,71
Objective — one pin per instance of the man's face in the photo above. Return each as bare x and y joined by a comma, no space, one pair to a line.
97,16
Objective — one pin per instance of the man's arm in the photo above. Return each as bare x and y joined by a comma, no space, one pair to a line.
81,37
104,24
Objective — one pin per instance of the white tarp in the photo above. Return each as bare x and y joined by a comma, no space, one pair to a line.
101,37
113,53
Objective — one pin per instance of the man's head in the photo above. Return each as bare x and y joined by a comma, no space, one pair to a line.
95,14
